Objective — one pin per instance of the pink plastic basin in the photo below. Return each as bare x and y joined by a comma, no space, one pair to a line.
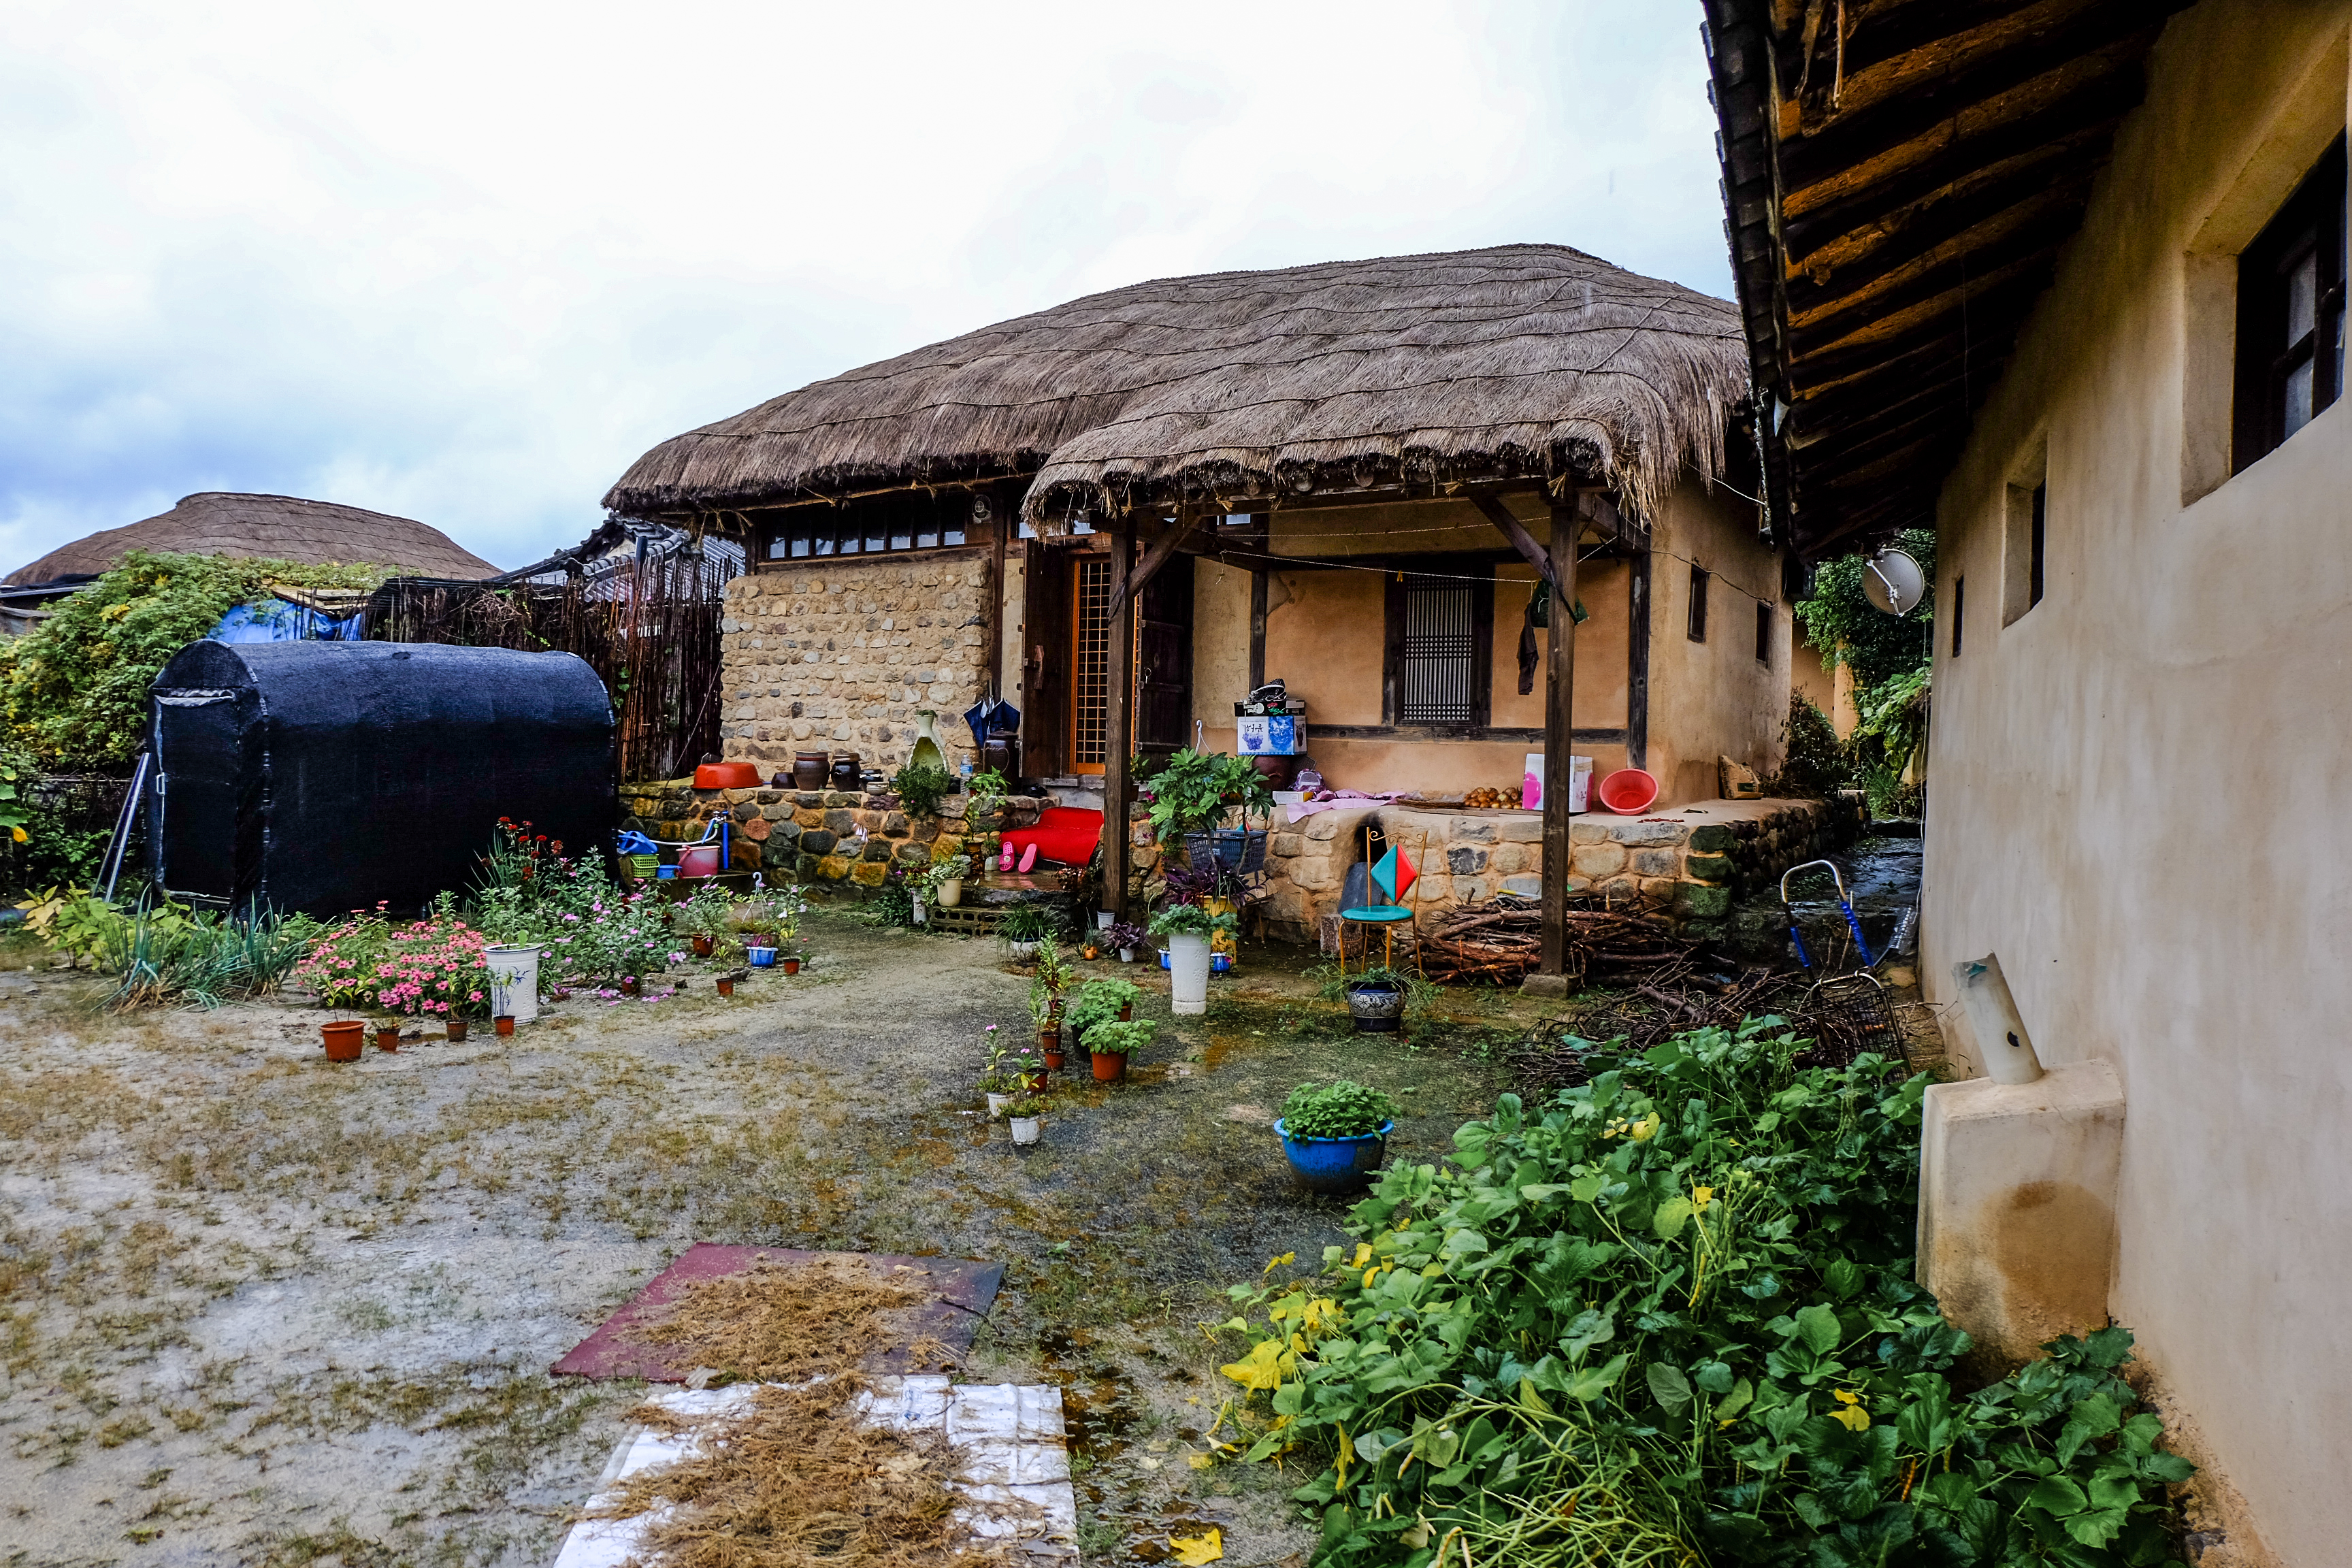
699,861
1628,790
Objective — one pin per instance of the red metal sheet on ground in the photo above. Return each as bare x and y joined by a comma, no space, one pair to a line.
965,1289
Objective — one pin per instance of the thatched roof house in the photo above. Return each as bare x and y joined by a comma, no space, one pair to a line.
284,528
1411,371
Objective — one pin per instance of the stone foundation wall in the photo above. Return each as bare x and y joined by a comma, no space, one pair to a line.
1688,867
843,653
845,838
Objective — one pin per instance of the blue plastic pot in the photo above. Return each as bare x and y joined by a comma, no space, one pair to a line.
1336,1164
762,957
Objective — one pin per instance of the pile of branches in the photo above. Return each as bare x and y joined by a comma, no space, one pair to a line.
1501,940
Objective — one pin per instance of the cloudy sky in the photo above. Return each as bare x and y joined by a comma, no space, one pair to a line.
464,262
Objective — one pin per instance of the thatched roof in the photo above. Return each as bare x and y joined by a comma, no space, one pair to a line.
283,528
1521,360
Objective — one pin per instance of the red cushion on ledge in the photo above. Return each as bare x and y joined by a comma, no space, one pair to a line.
1063,834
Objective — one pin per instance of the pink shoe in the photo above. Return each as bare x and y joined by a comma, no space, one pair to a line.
1028,857
1005,861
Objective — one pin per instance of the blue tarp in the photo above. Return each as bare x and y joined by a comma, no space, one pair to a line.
275,620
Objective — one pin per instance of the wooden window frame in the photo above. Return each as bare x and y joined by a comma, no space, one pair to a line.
1695,624
821,534
1442,572
2310,221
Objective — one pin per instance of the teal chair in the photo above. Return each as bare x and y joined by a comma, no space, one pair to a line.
1394,878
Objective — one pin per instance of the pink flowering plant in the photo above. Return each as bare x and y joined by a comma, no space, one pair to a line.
427,968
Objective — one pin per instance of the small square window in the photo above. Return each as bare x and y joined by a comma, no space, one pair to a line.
2290,340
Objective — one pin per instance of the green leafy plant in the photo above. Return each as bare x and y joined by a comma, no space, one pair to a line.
921,786
1343,1110
1815,763
1667,1317
75,686
1890,658
163,954
996,1074
1028,923
1098,1002
1028,1108
708,912
1118,1040
939,873
1192,791
1191,919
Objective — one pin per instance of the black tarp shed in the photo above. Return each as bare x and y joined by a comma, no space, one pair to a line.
324,777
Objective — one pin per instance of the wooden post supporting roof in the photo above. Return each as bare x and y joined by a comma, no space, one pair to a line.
1117,698
1560,734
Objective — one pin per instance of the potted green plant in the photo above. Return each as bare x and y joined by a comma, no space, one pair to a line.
997,1079
1377,998
1025,926
1097,1002
941,881
1190,794
1127,938
1045,1015
703,919
921,786
1026,1118
1111,1044
1336,1138
1028,1066
984,797
1189,928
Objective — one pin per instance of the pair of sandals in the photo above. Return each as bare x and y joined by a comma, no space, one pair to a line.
1028,859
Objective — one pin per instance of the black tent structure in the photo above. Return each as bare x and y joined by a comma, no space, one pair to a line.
322,777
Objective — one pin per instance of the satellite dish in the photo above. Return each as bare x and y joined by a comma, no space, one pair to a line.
1893,581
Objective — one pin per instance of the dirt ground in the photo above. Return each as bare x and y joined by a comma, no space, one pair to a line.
257,1309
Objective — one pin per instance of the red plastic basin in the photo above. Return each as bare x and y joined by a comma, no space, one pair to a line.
1627,791
727,775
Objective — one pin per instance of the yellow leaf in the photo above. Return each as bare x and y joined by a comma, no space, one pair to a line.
1273,1263
1855,1417
22,837
1371,1275
1260,1369
1647,1128
1193,1551
1202,1461
1363,1254
1700,1198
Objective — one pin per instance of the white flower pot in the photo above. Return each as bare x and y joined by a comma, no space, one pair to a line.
1027,1130
996,1104
514,981
1103,918
1188,969
951,893
920,911
1126,955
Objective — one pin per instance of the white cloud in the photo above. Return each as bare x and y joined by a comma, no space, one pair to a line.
464,262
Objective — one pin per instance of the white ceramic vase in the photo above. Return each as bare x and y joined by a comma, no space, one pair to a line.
951,893
1188,971
1027,1130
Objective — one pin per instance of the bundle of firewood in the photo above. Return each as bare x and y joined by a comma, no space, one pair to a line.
1502,940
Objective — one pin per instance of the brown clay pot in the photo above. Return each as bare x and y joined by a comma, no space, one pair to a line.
1110,1066
726,987
632,987
343,1039
701,947
387,1036
1049,1041
503,1024
789,965
1127,1014
809,769
456,1027
1033,1081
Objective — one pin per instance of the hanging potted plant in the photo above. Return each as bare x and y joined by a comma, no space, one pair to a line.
1336,1138
1111,1044
1026,1118
1377,998
1189,929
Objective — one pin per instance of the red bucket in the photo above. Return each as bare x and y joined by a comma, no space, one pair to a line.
1628,791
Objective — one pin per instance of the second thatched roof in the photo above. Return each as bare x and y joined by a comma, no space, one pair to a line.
1521,360
280,528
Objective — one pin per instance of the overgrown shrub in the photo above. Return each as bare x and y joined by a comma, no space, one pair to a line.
76,686
1669,1318
166,954
1818,763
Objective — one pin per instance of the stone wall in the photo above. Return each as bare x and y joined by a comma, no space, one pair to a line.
1688,866
843,653
819,837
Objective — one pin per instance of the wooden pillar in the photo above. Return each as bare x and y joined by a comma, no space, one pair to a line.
1118,742
1257,629
1560,734
1637,674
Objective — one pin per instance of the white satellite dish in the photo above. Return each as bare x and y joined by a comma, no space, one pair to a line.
1893,581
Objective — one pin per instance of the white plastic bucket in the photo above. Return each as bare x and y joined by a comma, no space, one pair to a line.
1188,970
514,981
1580,789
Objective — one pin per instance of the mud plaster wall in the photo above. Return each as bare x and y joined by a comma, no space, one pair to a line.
1712,698
844,654
1221,646
2191,620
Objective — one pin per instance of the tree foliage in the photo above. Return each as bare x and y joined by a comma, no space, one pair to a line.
75,688
1849,629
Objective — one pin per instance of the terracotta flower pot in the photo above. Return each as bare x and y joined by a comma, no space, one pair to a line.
1049,1041
1110,1066
387,1036
1127,1014
456,1031
701,945
632,987
343,1039
1033,1081
792,965
726,987
503,1024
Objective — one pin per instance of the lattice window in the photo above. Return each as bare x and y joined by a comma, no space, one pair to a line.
1090,667
1437,669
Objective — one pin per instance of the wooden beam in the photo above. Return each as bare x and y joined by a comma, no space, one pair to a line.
1992,319
1560,730
1117,698
1129,585
2063,178
1981,269
1598,510
1524,543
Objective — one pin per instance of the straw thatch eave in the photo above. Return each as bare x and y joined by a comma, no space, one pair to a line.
1237,388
